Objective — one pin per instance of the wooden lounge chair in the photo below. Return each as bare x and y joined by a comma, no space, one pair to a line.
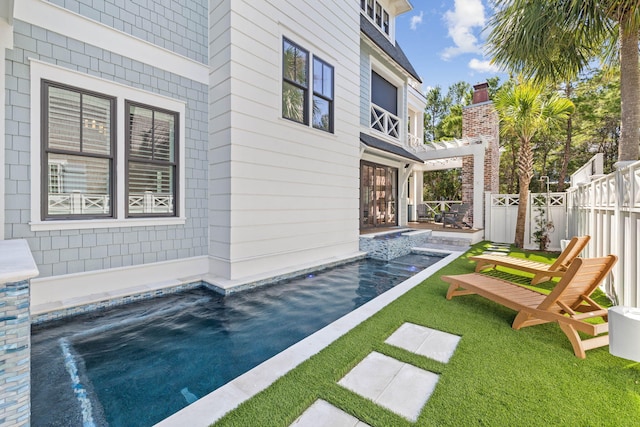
541,271
569,303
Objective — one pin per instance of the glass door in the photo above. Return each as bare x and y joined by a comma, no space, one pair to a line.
378,195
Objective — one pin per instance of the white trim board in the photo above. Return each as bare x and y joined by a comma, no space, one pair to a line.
67,23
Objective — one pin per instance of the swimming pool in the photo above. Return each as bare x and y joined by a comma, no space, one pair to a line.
137,364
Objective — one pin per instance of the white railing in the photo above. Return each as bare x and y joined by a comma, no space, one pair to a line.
608,209
415,142
593,168
437,207
385,122
79,203
149,202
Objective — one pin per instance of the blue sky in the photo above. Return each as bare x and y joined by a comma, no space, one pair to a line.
443,39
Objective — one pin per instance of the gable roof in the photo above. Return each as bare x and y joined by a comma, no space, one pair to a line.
373,142
394,51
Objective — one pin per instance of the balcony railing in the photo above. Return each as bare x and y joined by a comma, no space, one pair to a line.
77,203
415,142
385,122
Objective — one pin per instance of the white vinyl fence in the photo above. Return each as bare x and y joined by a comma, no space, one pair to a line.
608,209
605,207
501,212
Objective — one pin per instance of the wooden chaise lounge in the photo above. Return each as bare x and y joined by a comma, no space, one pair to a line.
540,270
569,303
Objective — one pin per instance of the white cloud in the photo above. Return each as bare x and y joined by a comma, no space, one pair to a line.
416,20
483,66
461,21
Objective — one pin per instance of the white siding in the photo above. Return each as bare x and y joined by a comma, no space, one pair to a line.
282,194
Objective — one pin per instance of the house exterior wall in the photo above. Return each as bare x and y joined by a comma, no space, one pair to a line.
372,60
281,193
76,249
179,26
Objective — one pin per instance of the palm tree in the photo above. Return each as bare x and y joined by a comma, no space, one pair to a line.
524,111
554,40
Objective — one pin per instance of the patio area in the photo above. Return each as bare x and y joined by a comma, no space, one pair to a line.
494,376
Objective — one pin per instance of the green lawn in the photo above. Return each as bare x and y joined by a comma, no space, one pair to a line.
496,377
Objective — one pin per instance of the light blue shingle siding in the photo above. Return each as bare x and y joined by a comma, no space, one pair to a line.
179,26
71,251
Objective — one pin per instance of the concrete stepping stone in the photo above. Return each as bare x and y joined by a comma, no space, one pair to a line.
397,386
323,414
424,341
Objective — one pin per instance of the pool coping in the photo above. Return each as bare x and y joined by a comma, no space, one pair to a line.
216,404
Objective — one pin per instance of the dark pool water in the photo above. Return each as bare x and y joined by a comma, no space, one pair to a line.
135,365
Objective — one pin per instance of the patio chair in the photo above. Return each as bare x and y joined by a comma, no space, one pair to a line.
423,213
569,303
455,216
541,271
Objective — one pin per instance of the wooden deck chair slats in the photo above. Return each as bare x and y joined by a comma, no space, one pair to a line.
540,270
569,302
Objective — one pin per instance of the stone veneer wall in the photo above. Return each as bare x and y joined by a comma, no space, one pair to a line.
481,121
15,349
395,246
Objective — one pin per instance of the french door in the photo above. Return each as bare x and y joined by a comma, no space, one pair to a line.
378,195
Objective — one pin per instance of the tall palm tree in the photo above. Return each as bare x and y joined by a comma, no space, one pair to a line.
554,40
524,111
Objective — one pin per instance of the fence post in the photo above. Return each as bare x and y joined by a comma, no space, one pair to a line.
17,267
487,213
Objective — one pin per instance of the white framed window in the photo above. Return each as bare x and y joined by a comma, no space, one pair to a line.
80,178
377,14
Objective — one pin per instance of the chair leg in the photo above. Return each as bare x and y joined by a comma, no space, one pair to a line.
524,319
539,278
574,338
481,265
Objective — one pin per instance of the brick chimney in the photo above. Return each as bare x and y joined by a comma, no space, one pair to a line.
480,93
480,121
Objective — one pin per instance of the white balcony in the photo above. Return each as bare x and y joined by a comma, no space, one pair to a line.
385,122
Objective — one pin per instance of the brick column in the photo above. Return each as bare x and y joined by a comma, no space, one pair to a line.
480,121
16,268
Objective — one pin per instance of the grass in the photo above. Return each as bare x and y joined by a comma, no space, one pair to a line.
496,377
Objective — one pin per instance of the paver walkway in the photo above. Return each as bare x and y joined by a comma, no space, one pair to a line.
397,386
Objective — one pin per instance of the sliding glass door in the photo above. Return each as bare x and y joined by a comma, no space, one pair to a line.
378,195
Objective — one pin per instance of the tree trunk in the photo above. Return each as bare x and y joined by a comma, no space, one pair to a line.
525,171
567,145
628,149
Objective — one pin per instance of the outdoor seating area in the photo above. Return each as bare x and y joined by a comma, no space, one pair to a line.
449,214
569,304
542,271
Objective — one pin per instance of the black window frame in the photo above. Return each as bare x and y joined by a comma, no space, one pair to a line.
320,94
46,150
175,164
310,91
296,84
